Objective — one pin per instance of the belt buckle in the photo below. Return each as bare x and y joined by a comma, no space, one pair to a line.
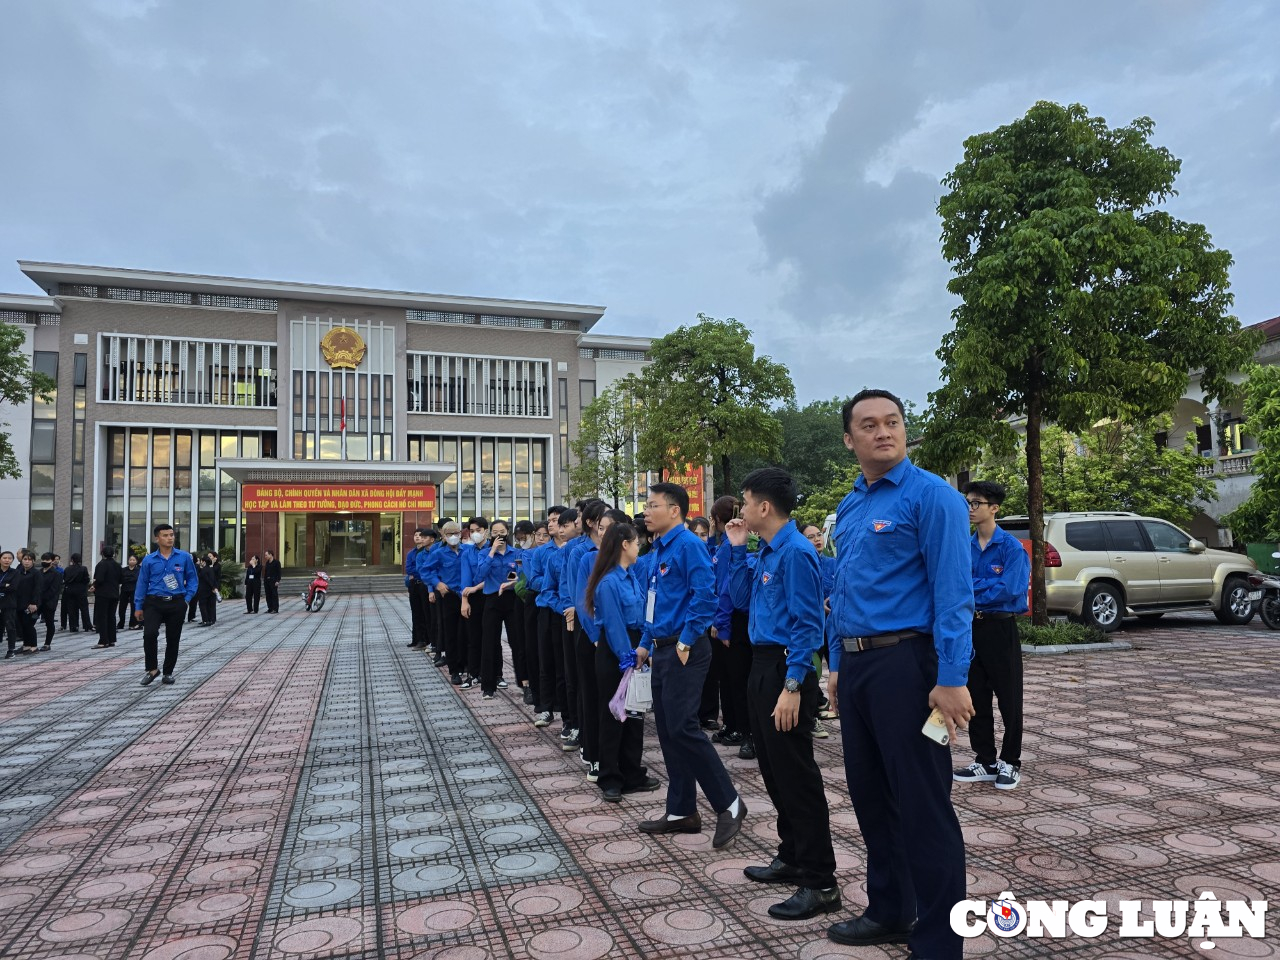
861,642
978,615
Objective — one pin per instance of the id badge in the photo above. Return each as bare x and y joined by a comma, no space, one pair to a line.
649,605
171,582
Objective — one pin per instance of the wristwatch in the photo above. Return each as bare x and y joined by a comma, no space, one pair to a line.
682,647
792,685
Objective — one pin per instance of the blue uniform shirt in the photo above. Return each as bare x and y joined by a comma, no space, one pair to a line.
1001,573
586,560
552,565
414,565
902,563
158,577
619,603
472,554
443,565
828,567
535,565
566,581
784,593
499,568
679,574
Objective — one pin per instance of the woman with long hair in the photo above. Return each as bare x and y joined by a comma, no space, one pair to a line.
501,565
615,602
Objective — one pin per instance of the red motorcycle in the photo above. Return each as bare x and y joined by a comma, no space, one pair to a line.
314,594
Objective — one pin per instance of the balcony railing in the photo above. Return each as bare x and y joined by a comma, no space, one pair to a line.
1234,465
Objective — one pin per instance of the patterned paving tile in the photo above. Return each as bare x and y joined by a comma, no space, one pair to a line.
311,788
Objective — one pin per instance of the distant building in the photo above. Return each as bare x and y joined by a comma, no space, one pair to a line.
305,418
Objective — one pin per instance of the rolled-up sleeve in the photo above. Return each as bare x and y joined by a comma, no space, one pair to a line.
943,521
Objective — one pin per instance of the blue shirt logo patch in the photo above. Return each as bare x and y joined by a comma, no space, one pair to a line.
882,526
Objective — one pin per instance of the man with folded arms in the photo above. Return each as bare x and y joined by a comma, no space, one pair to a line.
783,591
900,644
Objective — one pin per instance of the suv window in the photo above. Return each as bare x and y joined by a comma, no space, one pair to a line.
1124,536
1086,535
1166,537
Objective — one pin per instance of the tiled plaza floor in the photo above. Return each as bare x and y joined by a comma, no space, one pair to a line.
311,788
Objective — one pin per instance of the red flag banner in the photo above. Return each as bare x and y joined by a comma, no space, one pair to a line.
693,480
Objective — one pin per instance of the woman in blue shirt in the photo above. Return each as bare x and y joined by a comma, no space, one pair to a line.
615,601
499,565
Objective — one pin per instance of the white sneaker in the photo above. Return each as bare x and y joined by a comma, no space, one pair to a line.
542,719
975,773
593,773
1007,776
819,732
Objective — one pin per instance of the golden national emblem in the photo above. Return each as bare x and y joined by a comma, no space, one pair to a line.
342,347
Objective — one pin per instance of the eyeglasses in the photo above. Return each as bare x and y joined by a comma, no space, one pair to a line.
975,504
657,505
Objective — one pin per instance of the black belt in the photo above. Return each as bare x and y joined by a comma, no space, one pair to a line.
156,596
860,644
660,642
992,615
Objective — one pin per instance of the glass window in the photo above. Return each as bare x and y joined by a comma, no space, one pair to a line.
43,434
230,445
80,369
1166,537
1125,536
330,446
358,447
1085,535
249,444
208,445
182,448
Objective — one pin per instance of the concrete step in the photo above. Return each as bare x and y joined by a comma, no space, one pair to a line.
349,583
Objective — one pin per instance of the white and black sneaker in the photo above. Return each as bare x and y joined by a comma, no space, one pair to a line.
572,743
467,682
593,773
502,684
542,719
1007,775
975,773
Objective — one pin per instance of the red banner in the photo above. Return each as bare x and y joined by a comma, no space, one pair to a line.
330,497
694,482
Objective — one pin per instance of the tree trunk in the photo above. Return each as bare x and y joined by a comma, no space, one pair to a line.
725,484
1035,510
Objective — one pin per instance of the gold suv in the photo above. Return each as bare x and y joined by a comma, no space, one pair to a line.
1103,567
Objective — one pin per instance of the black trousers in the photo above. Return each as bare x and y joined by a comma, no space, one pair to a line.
208,609
252,595
621,745
516,641
9,625
550,690
473,626
532,664
77,607
451,627
273,595
419,612
46,614
192,607
588,696
692,761
709,701
124,612
900,785
790,773
569,671
155,613
996,670
737,670
27,627
499,612
104,615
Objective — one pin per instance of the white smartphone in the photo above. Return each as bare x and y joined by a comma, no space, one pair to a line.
935,728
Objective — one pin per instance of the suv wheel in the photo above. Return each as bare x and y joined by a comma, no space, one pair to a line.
1236,606
1103,606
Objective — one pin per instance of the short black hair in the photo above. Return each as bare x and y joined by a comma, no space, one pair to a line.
46,556
160,528
433,532
989,490
556,510
700,522
481,522
846,412
75,558
774,485
567,516
540,525
592,511
423,532
617,516
524,528
107,553
675,493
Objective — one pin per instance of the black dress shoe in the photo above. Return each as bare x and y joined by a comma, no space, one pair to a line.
166,679
776,872
710,724
691,824
806,903
613,794
146,680
650,784
727,825
861,931
748,749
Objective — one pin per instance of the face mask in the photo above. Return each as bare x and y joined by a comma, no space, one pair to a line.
453,540
526,543
478,537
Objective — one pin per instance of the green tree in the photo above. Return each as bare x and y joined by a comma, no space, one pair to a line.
18,382
1080,299
604,454
1110,467
707,398
1257,520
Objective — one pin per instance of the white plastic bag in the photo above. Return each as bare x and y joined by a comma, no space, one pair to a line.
640,691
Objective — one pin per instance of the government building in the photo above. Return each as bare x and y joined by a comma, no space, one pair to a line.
321,422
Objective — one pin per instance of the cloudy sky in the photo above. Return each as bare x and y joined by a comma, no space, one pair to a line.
774,161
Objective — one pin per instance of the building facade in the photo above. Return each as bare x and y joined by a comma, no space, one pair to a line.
322,422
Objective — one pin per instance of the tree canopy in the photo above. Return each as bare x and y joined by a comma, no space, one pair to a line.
1257,520
1080,299
18,382
604,453
707,397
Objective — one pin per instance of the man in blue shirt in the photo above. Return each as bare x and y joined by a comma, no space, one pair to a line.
558,690
1001,571
167,582
679,604
900,644
419,608
783,592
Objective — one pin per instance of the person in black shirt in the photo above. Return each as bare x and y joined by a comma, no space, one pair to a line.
107,576
252,585
28,600
204,594
9,602
215,578
75,594
50,591
271,581
128,583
